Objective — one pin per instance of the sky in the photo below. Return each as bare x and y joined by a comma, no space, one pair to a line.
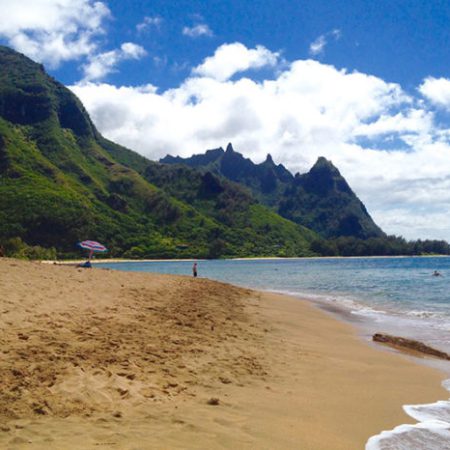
364,83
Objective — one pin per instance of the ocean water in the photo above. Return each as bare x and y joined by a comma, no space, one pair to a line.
398,296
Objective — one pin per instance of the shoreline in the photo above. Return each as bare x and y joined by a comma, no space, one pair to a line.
260,258
145,353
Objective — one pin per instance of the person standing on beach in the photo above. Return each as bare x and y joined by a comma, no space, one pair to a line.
194,270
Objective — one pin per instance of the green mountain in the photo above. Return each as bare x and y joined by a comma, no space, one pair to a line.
320,200
323,201
62,182
267,181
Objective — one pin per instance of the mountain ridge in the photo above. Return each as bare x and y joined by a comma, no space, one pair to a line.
320,200
62,182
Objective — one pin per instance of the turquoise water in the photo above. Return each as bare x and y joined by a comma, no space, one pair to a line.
395,295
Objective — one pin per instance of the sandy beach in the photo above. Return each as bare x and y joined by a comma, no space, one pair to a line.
95,358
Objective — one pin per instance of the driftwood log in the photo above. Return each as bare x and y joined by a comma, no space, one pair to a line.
410,344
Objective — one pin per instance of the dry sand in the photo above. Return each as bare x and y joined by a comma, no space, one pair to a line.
102,359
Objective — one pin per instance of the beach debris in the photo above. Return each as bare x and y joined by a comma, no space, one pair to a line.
411,344
213,401
225,380
42,409
39,410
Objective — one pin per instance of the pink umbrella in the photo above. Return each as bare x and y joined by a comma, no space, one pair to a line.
92,246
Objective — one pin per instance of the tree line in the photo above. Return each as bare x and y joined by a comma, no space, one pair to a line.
379,246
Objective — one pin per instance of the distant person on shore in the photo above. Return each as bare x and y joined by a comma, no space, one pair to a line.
194,270
436,274
85,265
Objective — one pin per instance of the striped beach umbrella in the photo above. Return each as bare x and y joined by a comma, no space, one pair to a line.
92,246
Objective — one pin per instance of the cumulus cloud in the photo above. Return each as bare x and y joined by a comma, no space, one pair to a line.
407,122
230,59
201,29
104,63
133,51
53,31
308,110
318,46
437,90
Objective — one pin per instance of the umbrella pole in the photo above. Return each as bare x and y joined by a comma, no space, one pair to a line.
90,254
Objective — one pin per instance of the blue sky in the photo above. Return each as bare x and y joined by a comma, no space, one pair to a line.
364,83
398,41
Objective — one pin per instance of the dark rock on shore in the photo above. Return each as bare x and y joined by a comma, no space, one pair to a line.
409,344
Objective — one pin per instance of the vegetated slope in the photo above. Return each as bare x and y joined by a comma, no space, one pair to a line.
235,207
320,199
323,201
61,182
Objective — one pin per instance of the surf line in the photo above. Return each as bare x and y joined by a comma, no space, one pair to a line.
433,428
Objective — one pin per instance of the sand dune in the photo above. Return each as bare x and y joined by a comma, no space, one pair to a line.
103,359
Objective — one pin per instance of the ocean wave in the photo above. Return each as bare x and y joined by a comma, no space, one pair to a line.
345,302
387,314
368,311
432,432
424,314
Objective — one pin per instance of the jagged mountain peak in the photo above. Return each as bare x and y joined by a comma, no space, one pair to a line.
320,199
324,164
198,160
323,178
322,161
230,148
266,178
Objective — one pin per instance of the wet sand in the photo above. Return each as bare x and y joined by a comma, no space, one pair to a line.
94,358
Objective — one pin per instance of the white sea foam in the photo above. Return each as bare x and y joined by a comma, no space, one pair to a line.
432,411
424,314
345,302
367,311
430,435
432,432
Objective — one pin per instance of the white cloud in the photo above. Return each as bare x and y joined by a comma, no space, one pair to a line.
437,90
309,110
149,22
201,29
415,121
318,46
53,31
104,63
133,51
230,59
